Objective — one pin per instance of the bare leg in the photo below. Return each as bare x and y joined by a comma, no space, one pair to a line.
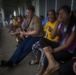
52,63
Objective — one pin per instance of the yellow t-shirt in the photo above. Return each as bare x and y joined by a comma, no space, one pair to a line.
47,30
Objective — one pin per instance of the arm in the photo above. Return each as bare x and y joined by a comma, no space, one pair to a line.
26,34
67,44
55,31
16,32
31,33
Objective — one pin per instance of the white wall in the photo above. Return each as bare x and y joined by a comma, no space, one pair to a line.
2,12
22,8
36,4
3,17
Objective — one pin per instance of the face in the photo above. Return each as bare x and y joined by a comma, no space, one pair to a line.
51,16
63,16
29,13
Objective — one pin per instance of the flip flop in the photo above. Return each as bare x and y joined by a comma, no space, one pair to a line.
32,62
54,70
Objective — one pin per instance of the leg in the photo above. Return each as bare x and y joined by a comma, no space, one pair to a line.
62,55
19,50
42,64
36,51
28,48
45,44
52,63
16,54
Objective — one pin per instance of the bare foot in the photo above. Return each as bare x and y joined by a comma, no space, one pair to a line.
51,69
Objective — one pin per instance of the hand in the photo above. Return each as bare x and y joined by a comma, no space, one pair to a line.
26,36
74,67
50,50
12,33
50,29
60,19
74,58
22,34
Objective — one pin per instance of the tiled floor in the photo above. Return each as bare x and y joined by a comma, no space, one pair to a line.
7,47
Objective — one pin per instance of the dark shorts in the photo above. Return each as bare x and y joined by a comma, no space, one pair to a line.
63,55
45,42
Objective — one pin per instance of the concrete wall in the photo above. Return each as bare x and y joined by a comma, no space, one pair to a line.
45,5
22,6
2,16
50,4
42,7
36,4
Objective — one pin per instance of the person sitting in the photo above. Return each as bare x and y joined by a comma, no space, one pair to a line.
17,28
47,29
64,49
33,34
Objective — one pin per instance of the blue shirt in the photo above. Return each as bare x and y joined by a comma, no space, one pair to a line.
44,22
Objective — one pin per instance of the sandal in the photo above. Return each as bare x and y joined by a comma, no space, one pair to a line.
52,71
32,62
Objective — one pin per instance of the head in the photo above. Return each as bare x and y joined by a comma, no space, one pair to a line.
66,16
30,10
51,15
64,13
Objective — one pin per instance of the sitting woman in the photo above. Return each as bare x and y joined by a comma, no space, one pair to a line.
33,34
64,49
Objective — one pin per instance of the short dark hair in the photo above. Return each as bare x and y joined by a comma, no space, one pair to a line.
66,8
31,7
51,10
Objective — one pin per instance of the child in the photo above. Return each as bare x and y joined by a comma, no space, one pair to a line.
64,49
